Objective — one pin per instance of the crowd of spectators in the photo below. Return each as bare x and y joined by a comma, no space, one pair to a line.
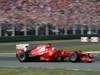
55,12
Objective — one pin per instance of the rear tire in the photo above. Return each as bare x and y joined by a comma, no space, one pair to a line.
22,57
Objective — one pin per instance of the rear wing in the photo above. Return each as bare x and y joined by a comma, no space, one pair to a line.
25,47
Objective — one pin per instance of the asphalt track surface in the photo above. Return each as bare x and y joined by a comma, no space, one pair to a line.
10,59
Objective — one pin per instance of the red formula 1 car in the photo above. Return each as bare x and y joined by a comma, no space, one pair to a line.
47,52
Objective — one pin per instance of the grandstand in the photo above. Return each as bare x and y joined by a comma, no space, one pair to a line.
49,17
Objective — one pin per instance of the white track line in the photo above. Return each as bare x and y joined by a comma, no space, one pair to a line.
94,52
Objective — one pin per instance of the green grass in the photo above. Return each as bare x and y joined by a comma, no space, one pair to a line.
30,42
7,51
94,47
43,71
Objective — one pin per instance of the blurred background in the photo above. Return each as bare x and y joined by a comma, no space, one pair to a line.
27,20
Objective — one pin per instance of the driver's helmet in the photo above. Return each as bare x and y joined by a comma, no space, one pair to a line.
53,48
26,48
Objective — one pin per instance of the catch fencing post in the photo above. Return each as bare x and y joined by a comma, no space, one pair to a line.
89,30
47,31
0,30
96,30
37,30
25,30
74,31
13,30
82,30
56,30
65,31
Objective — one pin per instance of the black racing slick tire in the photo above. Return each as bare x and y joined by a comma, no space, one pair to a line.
22,57
73,57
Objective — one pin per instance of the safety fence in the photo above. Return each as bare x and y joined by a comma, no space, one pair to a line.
50,37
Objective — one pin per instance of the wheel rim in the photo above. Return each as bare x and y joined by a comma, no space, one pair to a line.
73,57
22,57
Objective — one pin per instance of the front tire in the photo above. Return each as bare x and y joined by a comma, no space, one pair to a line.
73,57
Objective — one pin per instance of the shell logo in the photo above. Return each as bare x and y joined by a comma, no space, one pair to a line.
50,53
62,52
